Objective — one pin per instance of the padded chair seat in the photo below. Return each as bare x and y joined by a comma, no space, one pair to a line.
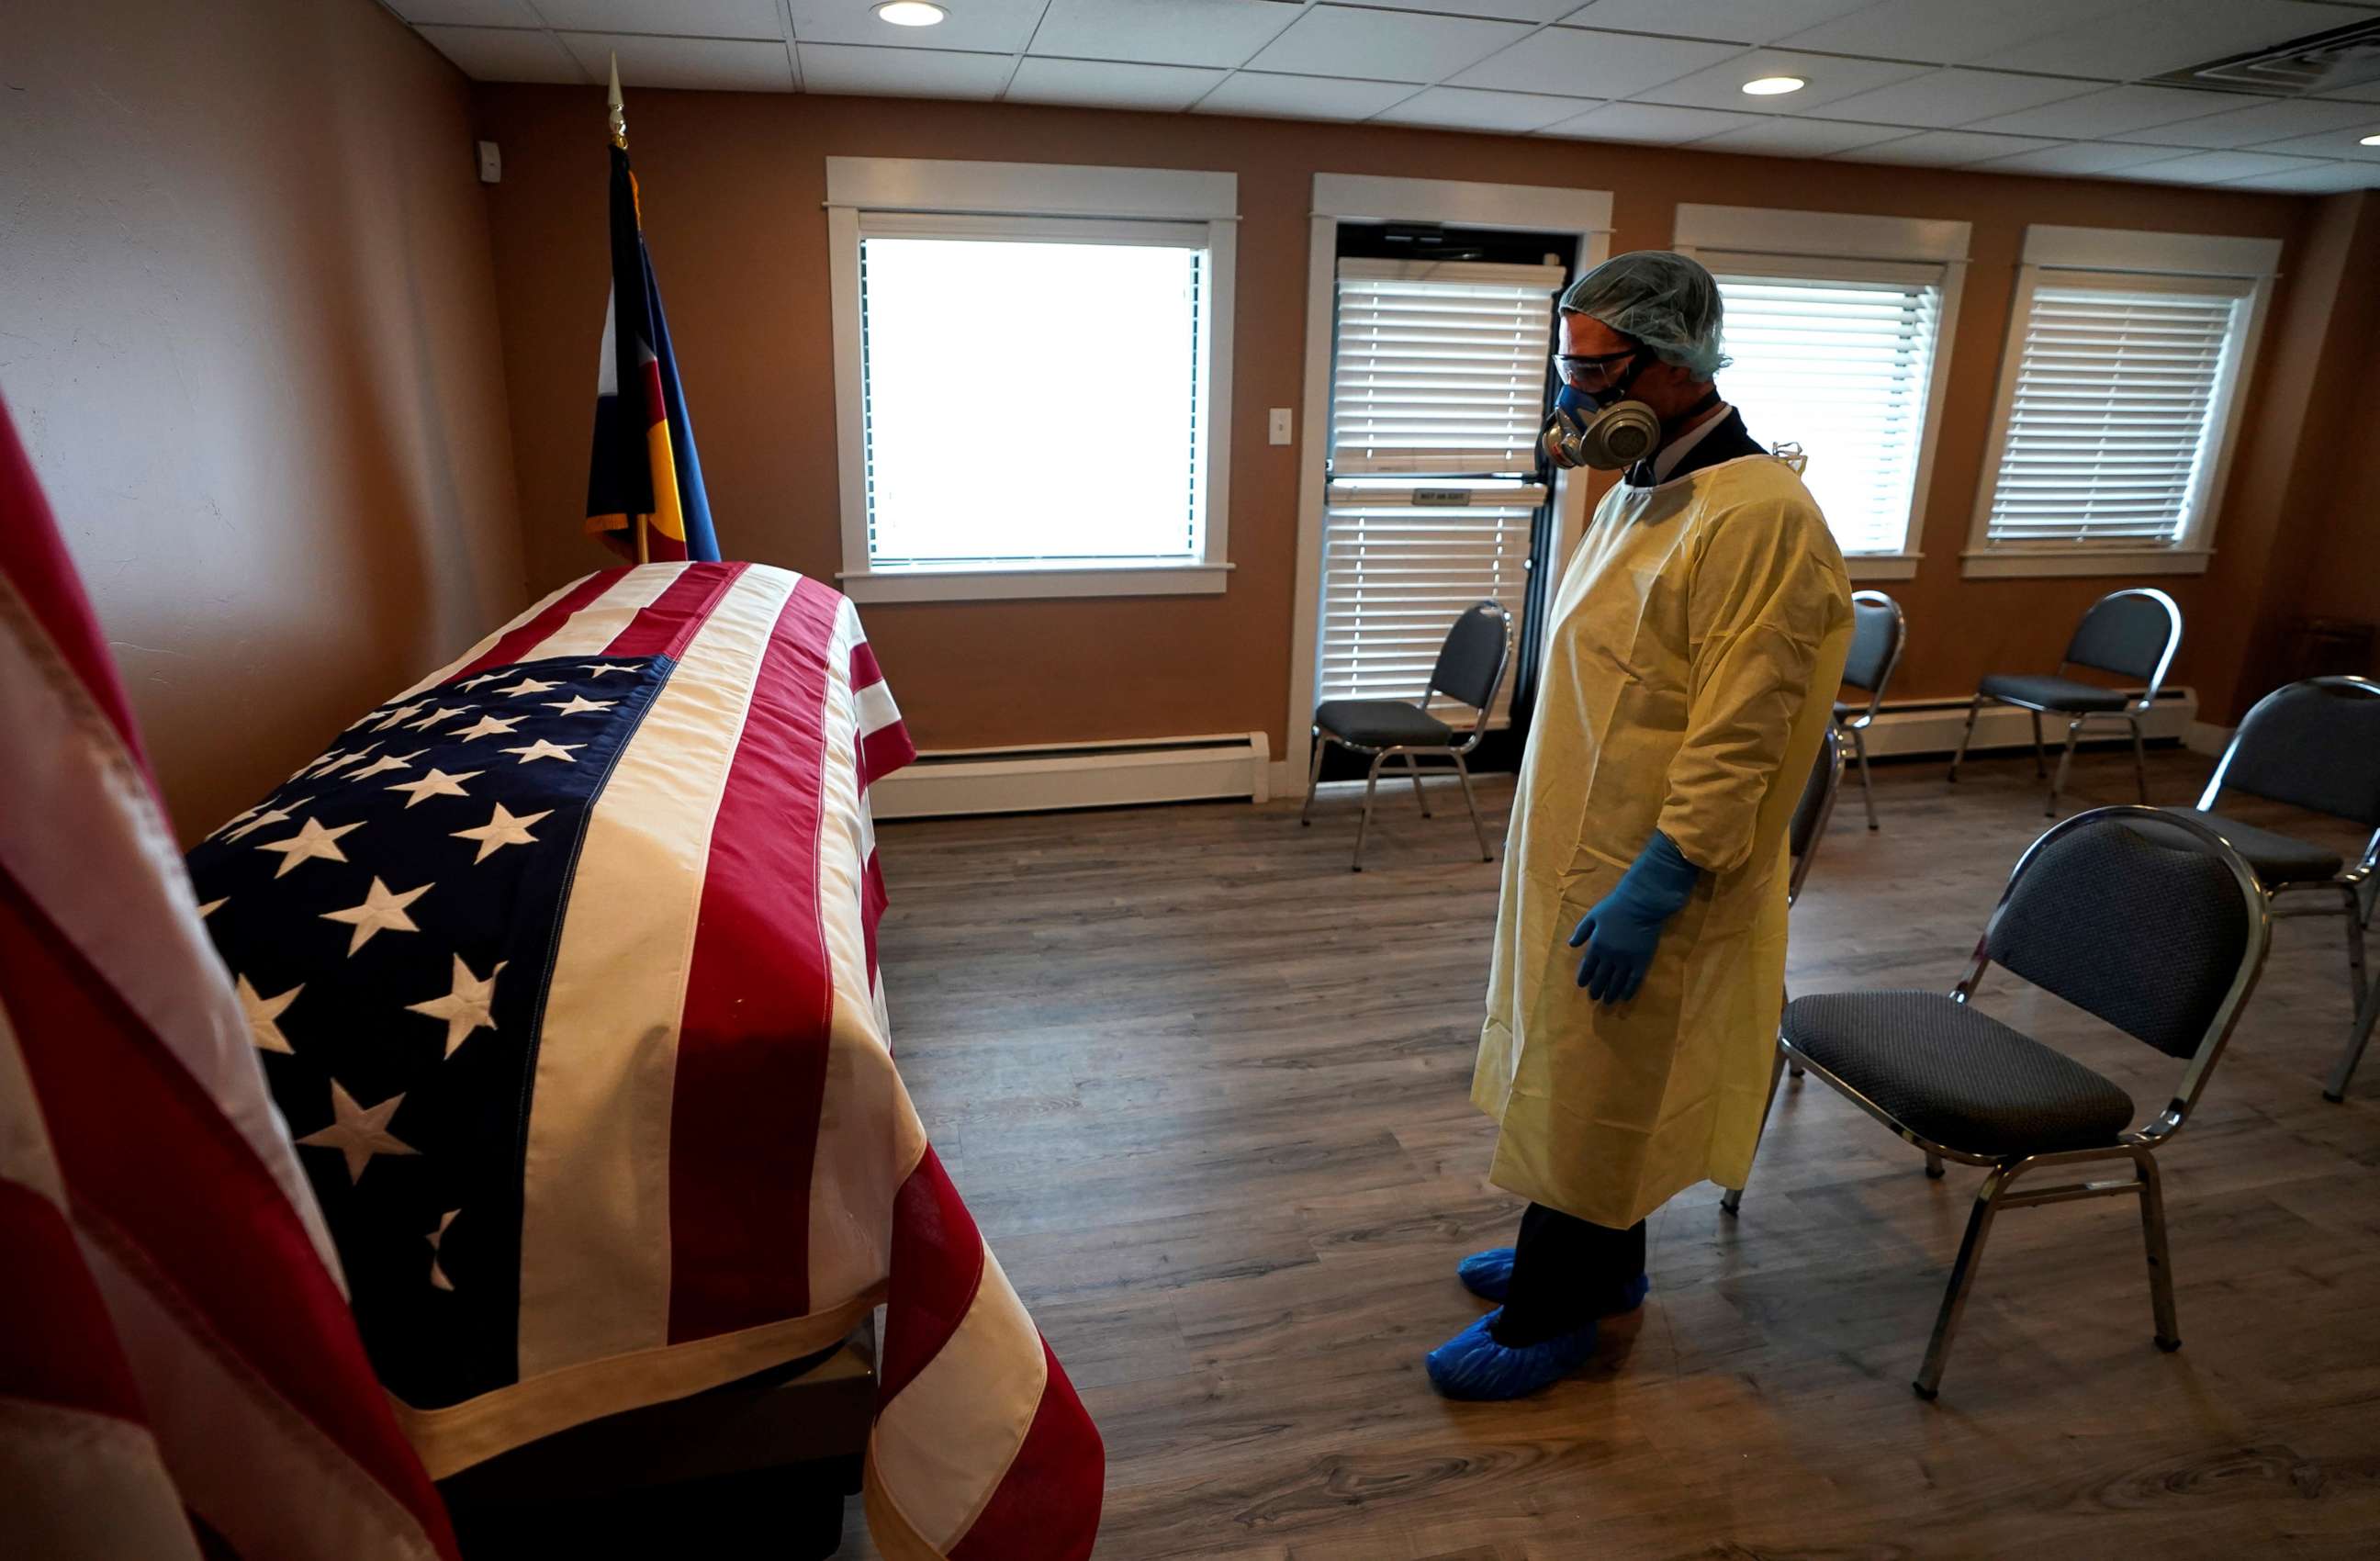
2051,693
2274,858
1959,1077
1383,723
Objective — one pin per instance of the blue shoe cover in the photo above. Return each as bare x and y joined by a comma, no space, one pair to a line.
1473,1365
1487,1275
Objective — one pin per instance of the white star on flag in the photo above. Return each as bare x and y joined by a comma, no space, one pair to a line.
530,686
437,1275
541,749
466,1008
359,1131
488,726
402,714
380,911
310,840
597,669
387,762
435,716
502,831
211,906
311,765
243,813
437,783
474,683
343,760
575,706
273,815
264,1014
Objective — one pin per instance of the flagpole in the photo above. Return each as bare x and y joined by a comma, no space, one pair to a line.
618,109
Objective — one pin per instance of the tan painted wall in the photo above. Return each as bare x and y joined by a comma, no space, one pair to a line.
732,190
247,330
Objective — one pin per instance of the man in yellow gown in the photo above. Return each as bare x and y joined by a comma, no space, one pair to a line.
1692,656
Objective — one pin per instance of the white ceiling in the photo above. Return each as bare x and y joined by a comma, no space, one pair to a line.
2023,86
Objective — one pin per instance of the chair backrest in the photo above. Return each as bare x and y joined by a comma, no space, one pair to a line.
2313,745
2130,633
2160,936
1471,662
1877,633
1809,825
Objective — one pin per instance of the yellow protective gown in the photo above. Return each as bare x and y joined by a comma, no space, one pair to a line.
1691,658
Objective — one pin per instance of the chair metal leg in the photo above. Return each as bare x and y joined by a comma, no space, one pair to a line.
1933,1165
2358,1037
2355,976
1733,1199
1962,1280
1975,708
1313,778
1867,788
2040,763
1414,769
2168,1332
1796,1070
2066,757
1462,773
1371,784
2140,760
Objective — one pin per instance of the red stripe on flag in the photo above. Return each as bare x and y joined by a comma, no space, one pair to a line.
937,1264
882,751
865,673
63,1349
1047,1506
668,626
519,642
872,901
151,1154
760,1006
34,558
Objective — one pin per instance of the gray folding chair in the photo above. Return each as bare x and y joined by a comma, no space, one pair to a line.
2316,745
1878,632
1470,668
2163,941
2130,633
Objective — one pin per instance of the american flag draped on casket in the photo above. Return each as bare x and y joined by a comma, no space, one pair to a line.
561,966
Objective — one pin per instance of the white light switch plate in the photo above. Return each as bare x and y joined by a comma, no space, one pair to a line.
1280,425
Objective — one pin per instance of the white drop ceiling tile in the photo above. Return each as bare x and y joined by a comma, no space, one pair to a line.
1732,21
985,26
1160,32
1785,134
2345,145
1831,77
2112,112
678,18
2215,167
2318,178
1651,123
2081,159
2150,37
2273,120
1578,63
901,73
2368,92
1945,148
1105,84
1539,11
724,64
1952,32
1385,45
466,13
1468,108
490,53
1301,97
1943,99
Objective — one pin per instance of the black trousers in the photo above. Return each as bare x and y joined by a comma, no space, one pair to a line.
1565,1274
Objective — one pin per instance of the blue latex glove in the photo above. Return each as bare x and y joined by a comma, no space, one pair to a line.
1620,933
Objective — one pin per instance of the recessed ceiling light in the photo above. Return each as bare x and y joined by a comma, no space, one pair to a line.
2369,141
1773,86
911,13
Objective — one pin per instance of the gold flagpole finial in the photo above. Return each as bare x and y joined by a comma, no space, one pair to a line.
619,114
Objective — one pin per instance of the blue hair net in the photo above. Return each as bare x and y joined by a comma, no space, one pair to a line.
1662,299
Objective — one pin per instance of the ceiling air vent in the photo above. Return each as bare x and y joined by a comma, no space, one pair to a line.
2321,62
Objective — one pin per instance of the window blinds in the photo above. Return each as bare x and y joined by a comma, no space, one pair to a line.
2113,419
1441,366
1842,369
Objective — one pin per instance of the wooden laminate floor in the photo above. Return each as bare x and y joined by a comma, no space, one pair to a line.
1206,1092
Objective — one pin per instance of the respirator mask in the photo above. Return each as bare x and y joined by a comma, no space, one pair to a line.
1602,429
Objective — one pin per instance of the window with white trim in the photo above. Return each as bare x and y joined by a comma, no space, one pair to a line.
1836,332
2127,358
1032,397
1438,392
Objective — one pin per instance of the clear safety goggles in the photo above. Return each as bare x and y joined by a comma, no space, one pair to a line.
1599,371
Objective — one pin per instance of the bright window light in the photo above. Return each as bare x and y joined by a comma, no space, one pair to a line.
1031,403
1774,86
911,13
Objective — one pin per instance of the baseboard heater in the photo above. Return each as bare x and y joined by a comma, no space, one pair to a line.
1910,728
1069,775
